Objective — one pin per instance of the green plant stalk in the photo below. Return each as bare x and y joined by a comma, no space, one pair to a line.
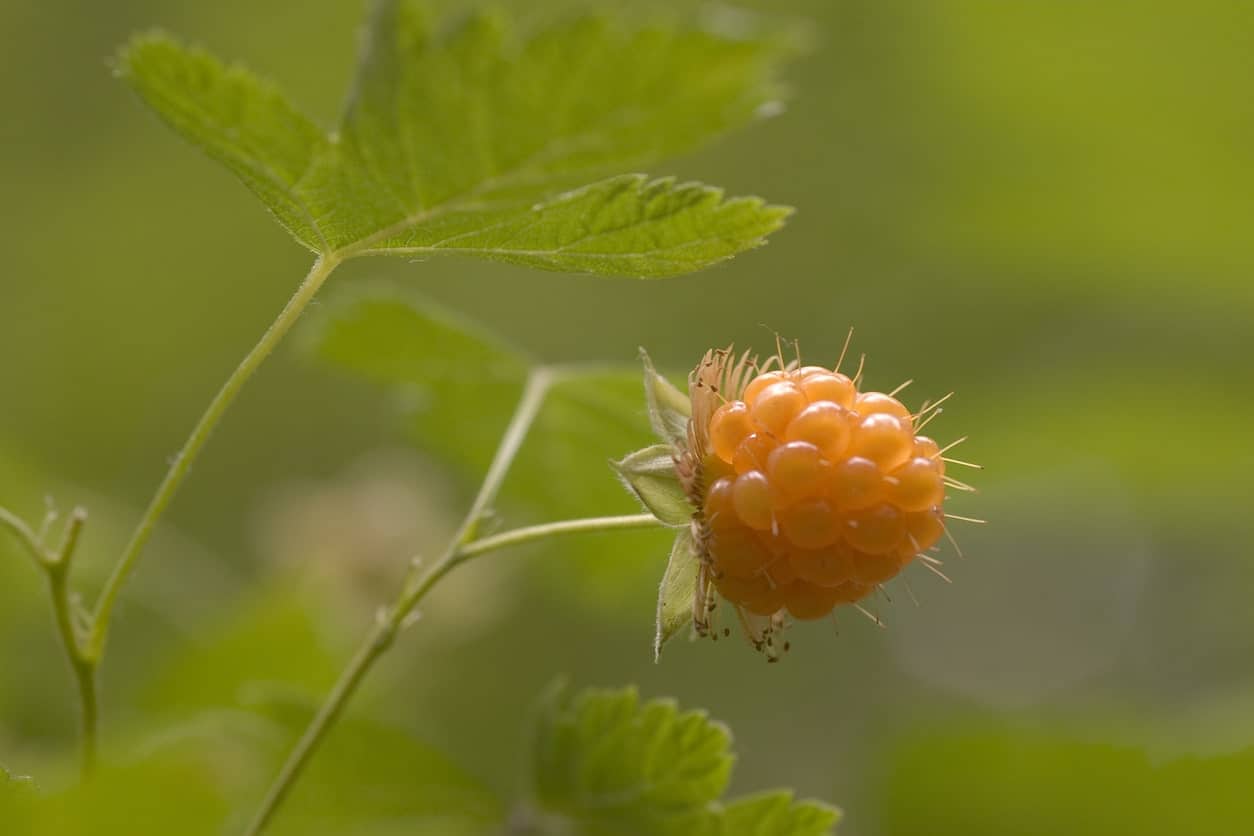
102,616
55,566
26,536
461,548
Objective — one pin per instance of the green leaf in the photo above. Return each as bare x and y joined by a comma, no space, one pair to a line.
471,139
677,592
622,226
612,765
775,813
650,475
243,122
618,766
669,408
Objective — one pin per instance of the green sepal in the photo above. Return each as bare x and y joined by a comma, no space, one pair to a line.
669,408
677,591
650,475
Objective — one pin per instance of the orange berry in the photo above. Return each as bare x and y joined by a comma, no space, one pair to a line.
753,499
874,569
851,591
718,509
877,403
830,567
856,483
780,570
776,405
728,427
754,594
805,371
797,470
753,452
824,424
923,529
810,524
875,530
926,448
807,602
884,439
829,386
735,551
715,468
760,382
916,485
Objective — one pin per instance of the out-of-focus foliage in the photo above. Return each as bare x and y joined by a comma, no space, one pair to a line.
459,387
983,781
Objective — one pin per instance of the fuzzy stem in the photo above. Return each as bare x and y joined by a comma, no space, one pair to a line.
186,457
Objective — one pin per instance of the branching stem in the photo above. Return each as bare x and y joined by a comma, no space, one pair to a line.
461,548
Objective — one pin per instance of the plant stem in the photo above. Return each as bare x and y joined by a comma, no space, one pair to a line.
519,536
23,532
84,669
186,457
461,548
56,567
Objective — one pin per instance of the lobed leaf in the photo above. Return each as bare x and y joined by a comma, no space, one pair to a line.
474,140
243,122
614,764
776,813
611,765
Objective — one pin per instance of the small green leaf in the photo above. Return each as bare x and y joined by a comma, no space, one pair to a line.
650,475
669,408
615,765
677,592
470,139
775,813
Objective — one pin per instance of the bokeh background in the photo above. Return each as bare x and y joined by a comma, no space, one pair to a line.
1041,206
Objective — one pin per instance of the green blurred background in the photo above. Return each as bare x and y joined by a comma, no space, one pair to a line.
1041,206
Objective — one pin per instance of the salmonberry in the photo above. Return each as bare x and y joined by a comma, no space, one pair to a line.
810,493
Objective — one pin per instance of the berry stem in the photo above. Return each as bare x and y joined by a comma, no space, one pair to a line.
518,536
462,547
